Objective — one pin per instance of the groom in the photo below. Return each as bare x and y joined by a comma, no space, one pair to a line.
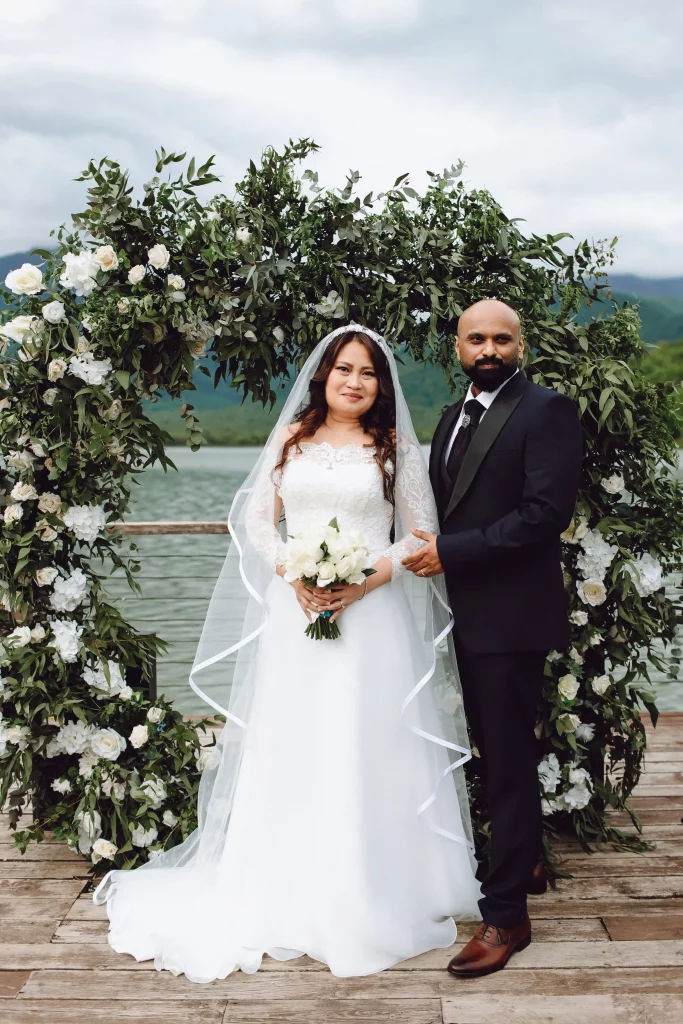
505,467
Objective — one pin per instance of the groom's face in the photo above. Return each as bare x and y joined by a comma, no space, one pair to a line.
489,344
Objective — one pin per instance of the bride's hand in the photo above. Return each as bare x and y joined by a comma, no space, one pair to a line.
311,599
344,594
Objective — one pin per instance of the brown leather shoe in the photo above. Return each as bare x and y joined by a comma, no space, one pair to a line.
538,885
490,949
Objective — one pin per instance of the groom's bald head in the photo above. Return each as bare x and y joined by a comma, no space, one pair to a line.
489,343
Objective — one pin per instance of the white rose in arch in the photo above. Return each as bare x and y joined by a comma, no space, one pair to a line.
105,258
103,849
13,513
613,484
27,280
155,715
579,618
591,591
568,686
154,789
142,837
48,502
553,656
136,274
278,334
17,329
38,450
243,234
208,757
585,732
159,256
50,395
125,693
23,492
107,743
54,311
61,786
571,722
601,684
169,819
175,281
646,573
37,634
123,305
139,736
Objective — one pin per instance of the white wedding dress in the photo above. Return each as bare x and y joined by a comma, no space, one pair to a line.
325,853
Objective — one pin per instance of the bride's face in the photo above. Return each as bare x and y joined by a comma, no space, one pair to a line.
351,386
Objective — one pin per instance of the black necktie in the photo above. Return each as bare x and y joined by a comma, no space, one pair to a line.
473,412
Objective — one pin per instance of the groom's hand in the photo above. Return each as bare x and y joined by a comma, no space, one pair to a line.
425,561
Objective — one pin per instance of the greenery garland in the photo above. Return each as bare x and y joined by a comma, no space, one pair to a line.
134,295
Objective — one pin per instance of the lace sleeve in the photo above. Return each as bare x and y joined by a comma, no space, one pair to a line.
415,507
260,518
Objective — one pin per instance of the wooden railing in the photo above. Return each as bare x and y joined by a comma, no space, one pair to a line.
153,527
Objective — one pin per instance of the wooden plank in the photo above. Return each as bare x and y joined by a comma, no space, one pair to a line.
642,928
653,756
25,908
80,956
136,529
11,982
28,931
549,907
279,985
62,888
82,1011
85,931
535,1009
606,866
40,851
655,887
83,909
654,816
46,869
334,1011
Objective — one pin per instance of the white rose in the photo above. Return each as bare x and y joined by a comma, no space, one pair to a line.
568,686
95,677
142,837
331,306
571,721
20,459
155,715
37,634
114,410
208,757
105,258
139,736
579,618
37,450
613,484
80,271
550,806
136,274
646,573
585,732
23,492
5,404
595,640
50,395
87,323
553,656
19,637
123,305
591,592
45,532
575,656
326,573
102,848
243,234
17,329
107,743
18,735
601,684
175,281
27,280
89,829
113,790
278,334
49,502
169,819
82,346
56,369
53,312
178,296
159,256
61,786
125,693
12,513
154,789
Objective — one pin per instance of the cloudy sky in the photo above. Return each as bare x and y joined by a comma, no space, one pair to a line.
569,111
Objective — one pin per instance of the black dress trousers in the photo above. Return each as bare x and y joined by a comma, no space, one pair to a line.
501,693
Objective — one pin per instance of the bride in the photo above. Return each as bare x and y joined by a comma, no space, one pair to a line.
333,815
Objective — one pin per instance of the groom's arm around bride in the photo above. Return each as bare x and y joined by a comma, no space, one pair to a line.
505,467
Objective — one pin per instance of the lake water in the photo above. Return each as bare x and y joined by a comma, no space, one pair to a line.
178,572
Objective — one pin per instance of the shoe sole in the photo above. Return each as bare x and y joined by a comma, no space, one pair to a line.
490,970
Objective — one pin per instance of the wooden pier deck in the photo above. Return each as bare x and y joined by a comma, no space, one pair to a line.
607,946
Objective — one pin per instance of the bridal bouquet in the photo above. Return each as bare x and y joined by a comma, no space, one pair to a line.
324,557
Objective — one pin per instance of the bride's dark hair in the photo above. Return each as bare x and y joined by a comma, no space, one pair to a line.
379,421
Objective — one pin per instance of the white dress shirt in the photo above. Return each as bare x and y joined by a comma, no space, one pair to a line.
485,398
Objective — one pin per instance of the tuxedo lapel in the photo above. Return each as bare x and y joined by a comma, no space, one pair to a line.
436,458
487,432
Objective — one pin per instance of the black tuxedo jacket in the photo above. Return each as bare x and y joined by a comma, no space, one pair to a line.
501,520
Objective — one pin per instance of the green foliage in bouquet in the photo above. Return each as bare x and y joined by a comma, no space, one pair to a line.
135,293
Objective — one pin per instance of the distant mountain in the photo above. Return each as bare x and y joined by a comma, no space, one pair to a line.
647,287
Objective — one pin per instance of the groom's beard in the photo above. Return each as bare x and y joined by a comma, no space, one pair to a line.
490,372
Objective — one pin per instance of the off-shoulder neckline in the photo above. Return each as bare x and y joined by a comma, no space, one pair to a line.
326,444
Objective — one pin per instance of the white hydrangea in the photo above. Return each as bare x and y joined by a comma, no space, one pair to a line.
139,736
154,789
54,312
89,825
107,743
26,280
80,271
18,735
62,786
95,677
596,556
553,656
549,773
646,573
18,328
67,640
123,305
68,592
85,521
331,306
585,732
86,763
74,737
89,369
141,837
551,806
102,848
